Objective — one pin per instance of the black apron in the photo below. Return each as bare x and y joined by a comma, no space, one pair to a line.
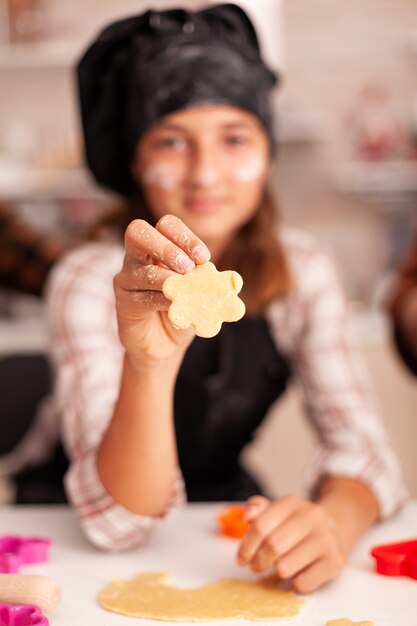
224,390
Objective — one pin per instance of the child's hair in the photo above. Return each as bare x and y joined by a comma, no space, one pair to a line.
257,254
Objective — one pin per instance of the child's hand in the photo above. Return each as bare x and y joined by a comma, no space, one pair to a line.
298,538
151,255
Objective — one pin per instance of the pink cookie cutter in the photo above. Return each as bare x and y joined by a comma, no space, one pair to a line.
16,551
22,615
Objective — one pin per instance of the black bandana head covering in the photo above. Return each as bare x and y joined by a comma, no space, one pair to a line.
143,68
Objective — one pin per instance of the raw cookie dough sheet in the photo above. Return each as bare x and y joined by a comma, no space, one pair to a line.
155,596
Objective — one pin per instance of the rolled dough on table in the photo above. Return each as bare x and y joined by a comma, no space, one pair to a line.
148,596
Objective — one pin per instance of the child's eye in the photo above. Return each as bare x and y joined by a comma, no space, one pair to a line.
237,140
175,143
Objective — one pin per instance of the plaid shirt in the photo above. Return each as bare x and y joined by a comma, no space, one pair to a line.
310,327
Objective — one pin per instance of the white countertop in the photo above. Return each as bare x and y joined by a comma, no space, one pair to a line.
189,547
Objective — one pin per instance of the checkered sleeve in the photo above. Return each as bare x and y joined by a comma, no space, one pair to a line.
106,523
338,398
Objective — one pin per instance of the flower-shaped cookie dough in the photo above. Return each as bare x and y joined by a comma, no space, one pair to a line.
204,298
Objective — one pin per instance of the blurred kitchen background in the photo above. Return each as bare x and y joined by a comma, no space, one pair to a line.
346,170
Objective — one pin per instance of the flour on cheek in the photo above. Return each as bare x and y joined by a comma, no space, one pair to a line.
249,170
162,175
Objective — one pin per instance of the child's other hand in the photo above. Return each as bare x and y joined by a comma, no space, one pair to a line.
298,538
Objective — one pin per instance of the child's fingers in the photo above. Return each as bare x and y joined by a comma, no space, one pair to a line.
317,574
174,229
264,523
143,243
142,278
254,506
282,541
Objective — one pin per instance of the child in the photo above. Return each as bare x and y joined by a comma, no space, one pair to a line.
176,112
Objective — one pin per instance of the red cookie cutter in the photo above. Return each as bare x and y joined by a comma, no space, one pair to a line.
16,551
232,521
22,615
396,559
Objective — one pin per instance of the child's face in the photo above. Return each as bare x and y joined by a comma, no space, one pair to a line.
206,165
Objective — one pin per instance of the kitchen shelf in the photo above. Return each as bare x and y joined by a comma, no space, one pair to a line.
388,180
